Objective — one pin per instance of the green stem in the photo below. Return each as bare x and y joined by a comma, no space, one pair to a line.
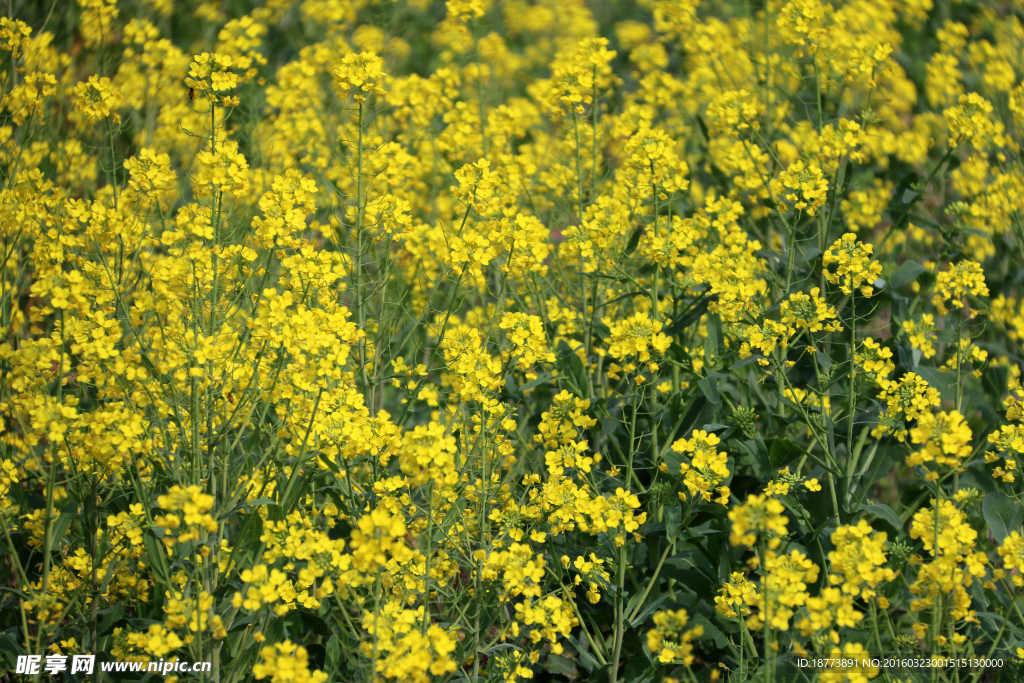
766,617
619,616
852,405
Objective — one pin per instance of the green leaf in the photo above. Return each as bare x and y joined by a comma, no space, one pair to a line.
9,646
1002,515
634,240
249,533
628,295
906,273
709,385
674,461
798,510
710,630
757,455
312,622
783,451
939,380
541,379
746,361
597,274
884,512
761,462
570,366
156,556
63,523
994,616
638,663
684,559
333,653
586,659
926,223
649,609
111,616
673,519
902,199
142,624
691,316
910,357
557,664
703,127
609,425
713,342
637,672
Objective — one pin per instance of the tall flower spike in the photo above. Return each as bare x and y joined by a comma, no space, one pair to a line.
210,74
360,75
803,187
954,284
96,97
854,267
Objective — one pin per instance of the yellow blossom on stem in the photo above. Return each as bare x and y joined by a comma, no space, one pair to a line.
97,97
854,267
954,284
670,639
802,187
759,516
360,75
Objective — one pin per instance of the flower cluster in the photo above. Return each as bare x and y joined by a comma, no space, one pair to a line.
707,468
434,340
854,267
802,187
361,75
670,639
954,284
210,74
97,98
760,518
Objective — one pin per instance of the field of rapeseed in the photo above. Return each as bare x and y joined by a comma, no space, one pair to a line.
489,340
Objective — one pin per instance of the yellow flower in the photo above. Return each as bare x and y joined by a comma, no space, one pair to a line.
464,10
96,97
360,75
809,312
970,120
955,283
759,516
854,267
707,467
948,526
210,74
783,588
286,663
222,170
802,187
1012,551
526,332
637,335
736,596
14,34
734,112
858,562
652,162
670,640
945,439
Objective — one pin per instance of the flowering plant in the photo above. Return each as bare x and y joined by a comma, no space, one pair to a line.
487,340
